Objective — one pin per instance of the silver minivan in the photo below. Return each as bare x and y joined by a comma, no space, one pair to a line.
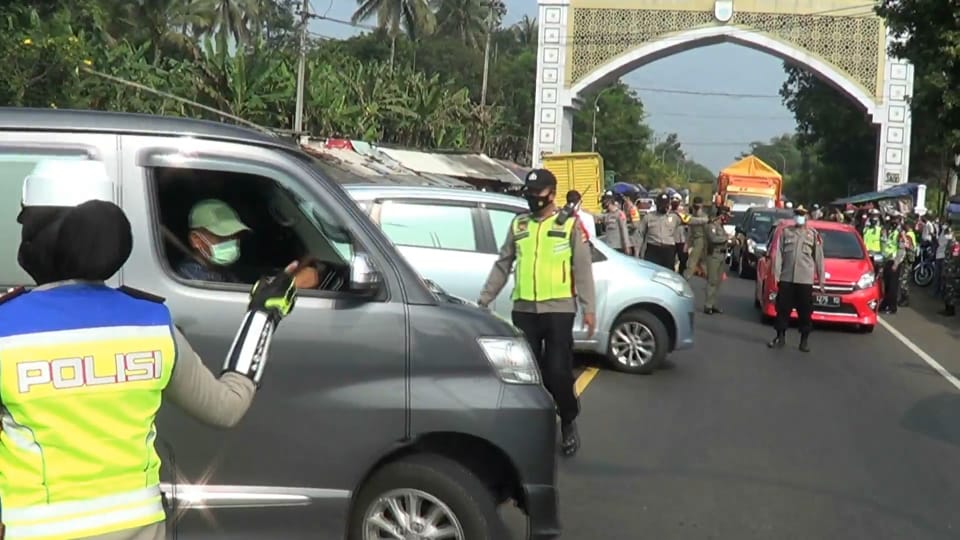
452,236
388,410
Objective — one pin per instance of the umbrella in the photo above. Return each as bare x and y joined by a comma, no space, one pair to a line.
629,190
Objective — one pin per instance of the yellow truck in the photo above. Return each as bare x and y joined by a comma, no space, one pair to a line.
581,171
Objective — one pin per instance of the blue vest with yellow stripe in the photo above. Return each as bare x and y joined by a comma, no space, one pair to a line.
82,371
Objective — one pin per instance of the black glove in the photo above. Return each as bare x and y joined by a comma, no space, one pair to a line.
275,295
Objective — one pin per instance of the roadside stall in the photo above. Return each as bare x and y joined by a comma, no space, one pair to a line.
905,198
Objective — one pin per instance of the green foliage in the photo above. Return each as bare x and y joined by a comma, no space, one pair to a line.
836,141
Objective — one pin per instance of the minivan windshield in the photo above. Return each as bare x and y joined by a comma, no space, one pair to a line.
764,221
749,200
841,245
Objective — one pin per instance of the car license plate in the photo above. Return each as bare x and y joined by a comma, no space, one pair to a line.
823,300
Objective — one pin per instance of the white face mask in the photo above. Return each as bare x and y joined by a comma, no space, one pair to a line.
801,220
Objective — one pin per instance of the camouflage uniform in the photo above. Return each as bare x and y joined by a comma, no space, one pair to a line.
906,272
951,280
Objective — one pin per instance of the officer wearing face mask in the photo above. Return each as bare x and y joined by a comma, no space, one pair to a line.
660,231
552,268
873,232
797,266
696,238
85,367
215,234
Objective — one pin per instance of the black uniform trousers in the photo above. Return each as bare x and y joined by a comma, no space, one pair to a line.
682,256
798,296
664,255
551,337
891,286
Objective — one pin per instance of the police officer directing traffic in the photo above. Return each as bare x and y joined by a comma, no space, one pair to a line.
717,240
797,265
86,366
553,274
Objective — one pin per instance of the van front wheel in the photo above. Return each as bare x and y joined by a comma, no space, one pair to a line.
425,496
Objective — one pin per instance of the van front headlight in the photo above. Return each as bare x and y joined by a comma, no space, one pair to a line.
512,359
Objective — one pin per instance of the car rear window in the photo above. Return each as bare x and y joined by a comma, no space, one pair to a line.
841,245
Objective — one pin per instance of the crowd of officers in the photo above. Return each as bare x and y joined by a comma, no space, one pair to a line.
686,240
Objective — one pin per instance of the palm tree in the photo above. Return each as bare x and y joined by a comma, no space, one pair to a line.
237,19
526,30
413,16
163,23
464,19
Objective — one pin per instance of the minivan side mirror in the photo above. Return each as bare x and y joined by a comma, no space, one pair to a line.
363,277
760,251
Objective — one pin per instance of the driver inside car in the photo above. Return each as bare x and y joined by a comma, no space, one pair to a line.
214,240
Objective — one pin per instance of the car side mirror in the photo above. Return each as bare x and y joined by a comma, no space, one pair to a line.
363,276
877,258
760,251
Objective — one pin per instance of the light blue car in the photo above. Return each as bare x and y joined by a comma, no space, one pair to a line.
452,237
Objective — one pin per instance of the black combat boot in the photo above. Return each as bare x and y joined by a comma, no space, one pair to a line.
778,342
569,439
804,345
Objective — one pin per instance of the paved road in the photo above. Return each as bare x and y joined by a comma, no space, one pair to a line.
858,439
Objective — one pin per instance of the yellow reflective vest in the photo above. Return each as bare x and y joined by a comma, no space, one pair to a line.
871,237
544,259
82,369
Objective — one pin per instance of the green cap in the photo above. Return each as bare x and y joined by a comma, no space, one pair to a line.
217,217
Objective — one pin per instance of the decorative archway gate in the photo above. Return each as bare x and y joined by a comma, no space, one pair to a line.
587,43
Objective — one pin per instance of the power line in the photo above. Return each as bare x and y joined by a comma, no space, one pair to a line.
721,116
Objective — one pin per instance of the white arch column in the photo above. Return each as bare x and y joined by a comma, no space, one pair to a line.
553,113
896,122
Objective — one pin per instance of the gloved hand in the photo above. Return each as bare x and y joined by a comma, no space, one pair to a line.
275,295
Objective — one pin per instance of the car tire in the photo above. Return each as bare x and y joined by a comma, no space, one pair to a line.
866,328
649,327
733,257
464,501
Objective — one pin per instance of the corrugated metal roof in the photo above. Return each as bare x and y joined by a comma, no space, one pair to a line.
476,166
349,167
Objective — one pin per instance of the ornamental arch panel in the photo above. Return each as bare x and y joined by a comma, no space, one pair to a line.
586,43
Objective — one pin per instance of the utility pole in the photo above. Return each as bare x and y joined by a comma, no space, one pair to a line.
493,7
301,67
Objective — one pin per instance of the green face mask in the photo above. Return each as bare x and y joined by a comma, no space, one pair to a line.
225,253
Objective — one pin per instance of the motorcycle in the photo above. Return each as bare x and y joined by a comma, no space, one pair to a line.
923,267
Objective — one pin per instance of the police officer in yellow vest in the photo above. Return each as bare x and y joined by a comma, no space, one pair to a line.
84,368
553,274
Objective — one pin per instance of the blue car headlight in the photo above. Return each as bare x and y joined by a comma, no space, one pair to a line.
674,282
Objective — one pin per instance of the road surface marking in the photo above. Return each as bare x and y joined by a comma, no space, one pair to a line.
919,352
588,374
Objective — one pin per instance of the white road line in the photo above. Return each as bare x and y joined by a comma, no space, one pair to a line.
919,352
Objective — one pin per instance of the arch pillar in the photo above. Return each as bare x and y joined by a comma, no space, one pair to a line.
557,98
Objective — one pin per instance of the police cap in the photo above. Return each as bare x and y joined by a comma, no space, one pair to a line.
539,179
799,210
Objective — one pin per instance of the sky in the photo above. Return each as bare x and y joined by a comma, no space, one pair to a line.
714,129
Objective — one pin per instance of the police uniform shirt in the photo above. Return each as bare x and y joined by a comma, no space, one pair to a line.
660,229
799,258
581,268
615,230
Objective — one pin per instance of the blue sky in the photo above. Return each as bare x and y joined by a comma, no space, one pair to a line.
714,129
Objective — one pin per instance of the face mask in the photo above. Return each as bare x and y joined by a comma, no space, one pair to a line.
537,202
224,253
801,220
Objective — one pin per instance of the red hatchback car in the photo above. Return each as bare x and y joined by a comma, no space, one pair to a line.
851,290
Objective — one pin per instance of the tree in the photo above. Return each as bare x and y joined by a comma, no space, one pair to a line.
413,16
463,19
836,140
621,132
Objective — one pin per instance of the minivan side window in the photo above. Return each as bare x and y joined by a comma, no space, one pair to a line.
500,220
14,167
284,225
429,225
